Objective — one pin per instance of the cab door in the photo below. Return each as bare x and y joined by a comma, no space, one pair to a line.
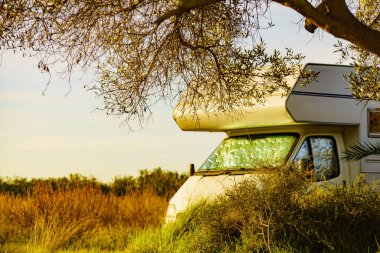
318,155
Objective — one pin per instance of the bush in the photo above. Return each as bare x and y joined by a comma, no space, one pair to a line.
278,212
285,209
161,182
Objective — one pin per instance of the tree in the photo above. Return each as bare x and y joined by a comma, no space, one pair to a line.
146,50
366,78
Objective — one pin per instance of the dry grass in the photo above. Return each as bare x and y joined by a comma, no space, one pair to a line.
49,219
284,213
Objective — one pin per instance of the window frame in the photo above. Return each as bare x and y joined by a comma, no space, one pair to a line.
310,150
369,133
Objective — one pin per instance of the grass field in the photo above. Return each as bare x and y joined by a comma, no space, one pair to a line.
80,214
285,214
82,218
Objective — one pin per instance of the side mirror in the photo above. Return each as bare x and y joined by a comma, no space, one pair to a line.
191,169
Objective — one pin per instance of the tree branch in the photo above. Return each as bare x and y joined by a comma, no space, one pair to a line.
184,6
334,17
375,20
169,14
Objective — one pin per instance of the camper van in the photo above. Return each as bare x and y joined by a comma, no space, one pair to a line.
313,123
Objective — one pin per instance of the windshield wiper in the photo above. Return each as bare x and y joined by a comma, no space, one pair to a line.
223,172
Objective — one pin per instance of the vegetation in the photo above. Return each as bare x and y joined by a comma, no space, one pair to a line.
283,213
159,182
146,50
81,213
278,212
358,151
49,220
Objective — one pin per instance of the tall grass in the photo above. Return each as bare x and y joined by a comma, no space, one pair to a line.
78,212
279,212
49,220
283,213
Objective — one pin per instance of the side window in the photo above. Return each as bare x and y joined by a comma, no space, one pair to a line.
318,156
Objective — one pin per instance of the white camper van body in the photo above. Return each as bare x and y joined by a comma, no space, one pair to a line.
321,113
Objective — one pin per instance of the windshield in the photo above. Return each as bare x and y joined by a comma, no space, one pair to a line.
250,152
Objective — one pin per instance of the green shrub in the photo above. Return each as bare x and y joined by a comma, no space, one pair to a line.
285,209
161,182
279,212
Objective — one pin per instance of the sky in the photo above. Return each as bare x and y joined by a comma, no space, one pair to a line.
61,133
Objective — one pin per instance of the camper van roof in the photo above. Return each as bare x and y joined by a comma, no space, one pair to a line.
328,100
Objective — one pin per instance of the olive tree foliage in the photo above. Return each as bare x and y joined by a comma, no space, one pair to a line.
365,80
147,50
